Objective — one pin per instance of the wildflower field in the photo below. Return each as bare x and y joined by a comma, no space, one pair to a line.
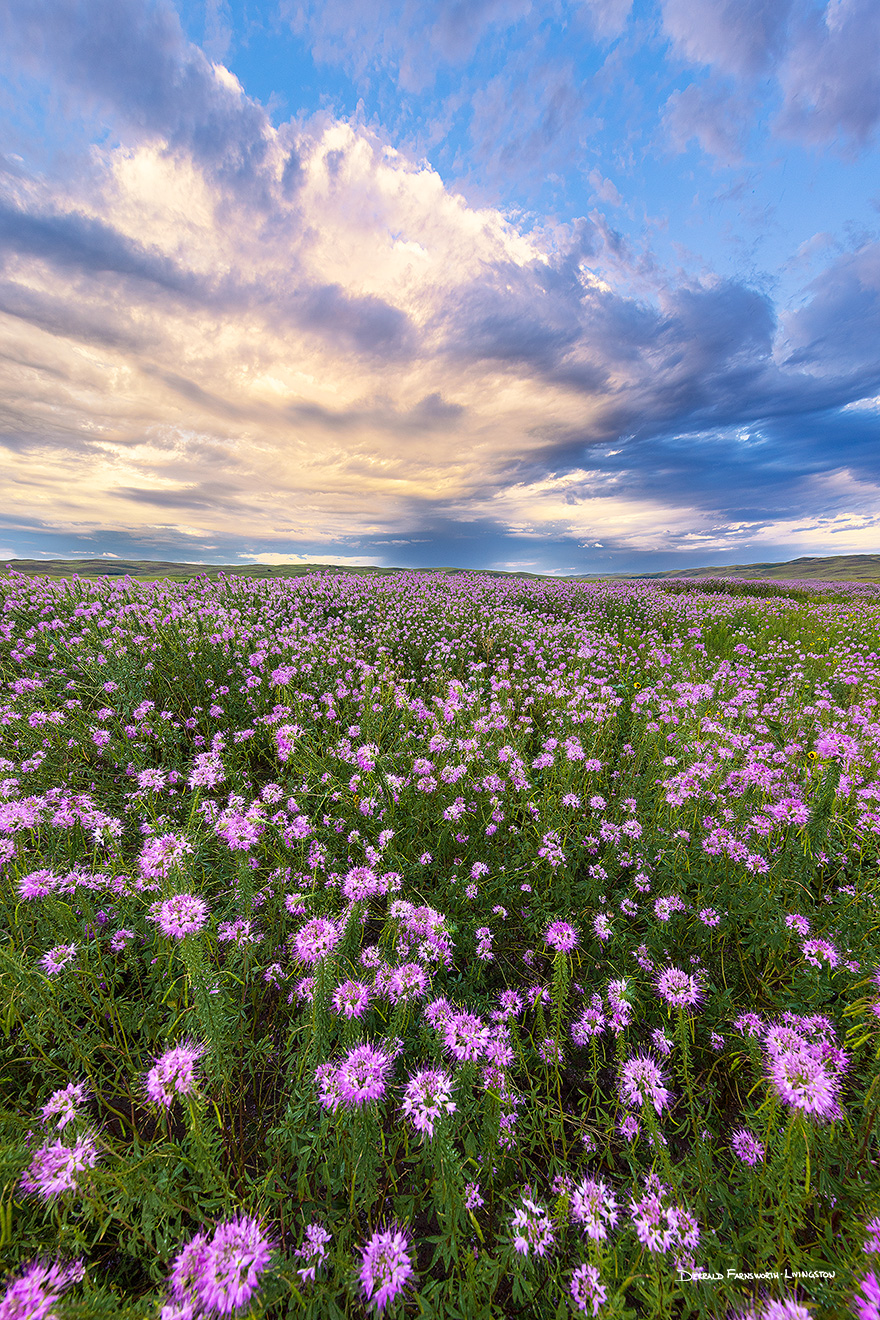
439,946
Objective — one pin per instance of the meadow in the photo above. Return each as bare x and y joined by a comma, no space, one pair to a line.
439,946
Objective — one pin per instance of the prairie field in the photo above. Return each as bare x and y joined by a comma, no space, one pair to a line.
436,945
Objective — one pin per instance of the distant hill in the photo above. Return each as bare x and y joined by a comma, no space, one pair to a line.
152,570
831,568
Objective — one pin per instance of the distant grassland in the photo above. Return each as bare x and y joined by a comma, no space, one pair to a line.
151,570
830,568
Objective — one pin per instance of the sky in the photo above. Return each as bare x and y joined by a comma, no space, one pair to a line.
562,286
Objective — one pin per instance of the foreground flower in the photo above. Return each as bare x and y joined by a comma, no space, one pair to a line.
532,1229
586,1290
173,1073
33,1293
57,958
427,1098
221,1275
867,1300
386,1267
66,1104
872,1241
54,1167
594,1207
362,1074
747,1147
465,1036
803,1082
677,988
641,1080
314,1249
233,1262
351,999
315,940
184,914
359,1079
662,1225
561,936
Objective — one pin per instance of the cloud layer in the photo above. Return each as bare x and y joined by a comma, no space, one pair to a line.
232,337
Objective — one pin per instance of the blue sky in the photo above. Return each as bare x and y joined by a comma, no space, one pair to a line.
571,287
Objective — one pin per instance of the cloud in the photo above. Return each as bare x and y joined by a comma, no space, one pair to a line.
320,556
608,17
414,40
837,332
831,75
343,350
133,59
605,189
826,59
741,37
529,119
716,117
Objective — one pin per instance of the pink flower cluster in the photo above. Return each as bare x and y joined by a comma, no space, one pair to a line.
219,1275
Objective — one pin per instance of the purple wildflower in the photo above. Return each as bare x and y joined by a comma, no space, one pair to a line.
804,1082
351,999
386,1267
186,1269
407,982
184,914
54,1166
747,1147
872,1242
222,1275
57,958
532,1229
314,1249
65,1103
362,1075
867,1299
586,1290
815,951
659,1225
594,1207
590,1023
602,927
32,1294
641,1080
315,940
173,1073
785,1309
427,1098
677,988
465,1036
561,936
